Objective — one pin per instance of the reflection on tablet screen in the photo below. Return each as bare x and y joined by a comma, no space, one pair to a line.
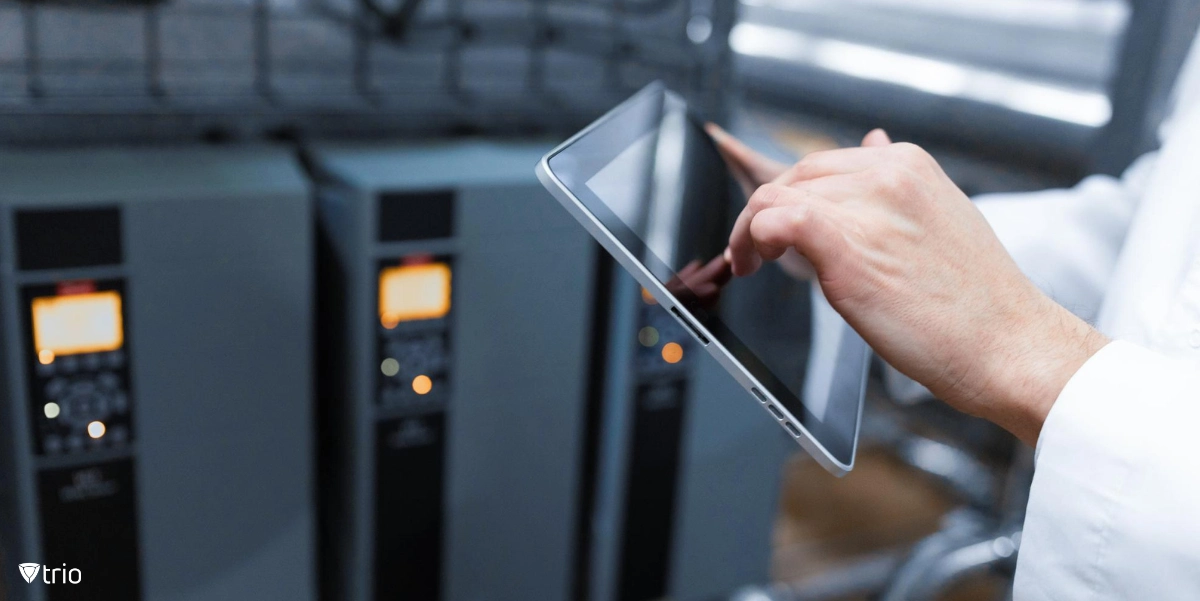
658,184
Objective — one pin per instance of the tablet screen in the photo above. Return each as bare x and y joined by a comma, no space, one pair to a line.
653,177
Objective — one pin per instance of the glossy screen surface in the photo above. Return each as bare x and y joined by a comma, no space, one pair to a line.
653,177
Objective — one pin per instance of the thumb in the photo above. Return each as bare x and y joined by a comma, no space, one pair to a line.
876,137
804,227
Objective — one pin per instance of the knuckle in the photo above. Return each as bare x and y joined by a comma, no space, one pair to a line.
809,166
766,196
913,155
895,180
886,178
797,220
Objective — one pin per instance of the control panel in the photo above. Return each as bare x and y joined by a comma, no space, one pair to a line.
413,333
77,358
664,346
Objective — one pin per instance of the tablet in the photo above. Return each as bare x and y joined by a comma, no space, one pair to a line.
648,183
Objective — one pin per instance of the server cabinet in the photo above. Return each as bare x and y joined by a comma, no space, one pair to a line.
457,325
156,430
689,469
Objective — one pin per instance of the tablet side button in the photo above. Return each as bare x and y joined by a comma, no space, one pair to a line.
792,428
775,411
758,393
687,322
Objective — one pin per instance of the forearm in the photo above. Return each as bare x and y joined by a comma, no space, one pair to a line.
1036,353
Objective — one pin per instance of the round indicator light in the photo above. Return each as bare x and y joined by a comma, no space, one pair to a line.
46,356
96,429
648,336
52,410
389,367
672,352
422,384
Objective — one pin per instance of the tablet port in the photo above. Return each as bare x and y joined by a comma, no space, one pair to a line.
775,411
758,393
687,322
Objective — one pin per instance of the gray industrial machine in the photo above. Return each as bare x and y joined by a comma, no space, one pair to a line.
155,429
495,428
689,470
457,322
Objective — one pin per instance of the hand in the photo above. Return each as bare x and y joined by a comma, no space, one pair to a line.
913,266
752,169
701,283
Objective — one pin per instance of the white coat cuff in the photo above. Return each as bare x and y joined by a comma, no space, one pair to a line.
1104,445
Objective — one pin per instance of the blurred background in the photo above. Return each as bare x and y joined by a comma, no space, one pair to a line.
286,314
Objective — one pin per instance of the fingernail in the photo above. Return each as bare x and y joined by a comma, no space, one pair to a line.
715,130
728,255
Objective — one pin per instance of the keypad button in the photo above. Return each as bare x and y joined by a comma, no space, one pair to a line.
90,361
118,434
120,402
74,442
83,388
46,369
115,359
100,406
68,365
55,388
52,444
108,380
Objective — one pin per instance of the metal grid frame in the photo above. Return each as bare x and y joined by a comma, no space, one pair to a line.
73,72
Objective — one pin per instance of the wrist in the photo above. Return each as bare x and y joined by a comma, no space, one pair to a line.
1043,347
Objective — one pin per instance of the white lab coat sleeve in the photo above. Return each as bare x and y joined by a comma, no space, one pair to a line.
1114,511
1067,241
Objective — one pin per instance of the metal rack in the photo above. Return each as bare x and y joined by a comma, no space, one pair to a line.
181,69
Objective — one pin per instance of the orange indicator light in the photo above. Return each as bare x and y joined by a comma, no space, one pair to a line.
422,384
672,352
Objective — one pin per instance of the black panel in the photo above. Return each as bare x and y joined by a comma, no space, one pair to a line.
409,481
591,428
416,216
87,386
651,489
88,522
58,239
332,418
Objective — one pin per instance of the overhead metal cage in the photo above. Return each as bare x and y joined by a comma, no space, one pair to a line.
80,70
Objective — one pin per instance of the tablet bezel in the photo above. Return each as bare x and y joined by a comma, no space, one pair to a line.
768,395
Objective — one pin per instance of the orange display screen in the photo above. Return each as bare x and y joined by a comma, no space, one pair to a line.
413,292
77,323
